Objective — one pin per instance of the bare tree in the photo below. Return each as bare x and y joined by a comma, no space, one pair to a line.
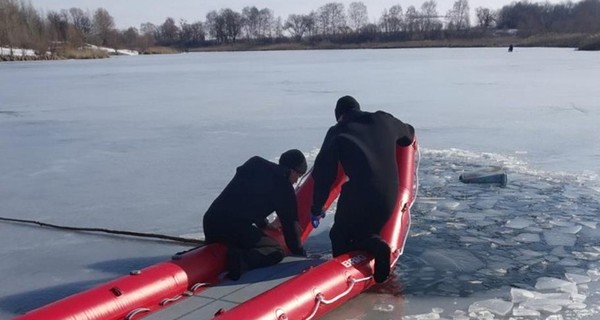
148,35
266,23
331,18
485,17
250,22
215,23
59,25
392,20
297,25
191,34
429,16
103,26
458,16
130,38
587,16
412,20
10,32
311,24
81,21
169,32
33,29
357,15
233,24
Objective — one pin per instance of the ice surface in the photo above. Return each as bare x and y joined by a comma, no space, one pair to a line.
154,153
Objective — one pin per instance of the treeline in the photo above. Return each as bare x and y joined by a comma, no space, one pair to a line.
23,26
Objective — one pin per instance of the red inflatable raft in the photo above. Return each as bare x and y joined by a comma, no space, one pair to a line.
308,295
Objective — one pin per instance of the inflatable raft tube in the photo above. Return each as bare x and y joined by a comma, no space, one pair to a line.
191,285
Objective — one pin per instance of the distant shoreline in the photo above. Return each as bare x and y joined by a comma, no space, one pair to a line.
551,40
576,41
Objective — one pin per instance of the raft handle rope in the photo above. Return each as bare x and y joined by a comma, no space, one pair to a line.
134,312
320,298
195,287
164,301
416,174
109,231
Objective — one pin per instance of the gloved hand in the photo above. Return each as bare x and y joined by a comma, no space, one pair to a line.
316,217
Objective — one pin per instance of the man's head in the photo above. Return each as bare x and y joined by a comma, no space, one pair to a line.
294,160
345,104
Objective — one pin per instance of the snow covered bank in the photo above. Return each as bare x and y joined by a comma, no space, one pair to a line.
17,52
125,52
29,54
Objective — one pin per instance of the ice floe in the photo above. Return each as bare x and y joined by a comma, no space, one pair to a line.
533,241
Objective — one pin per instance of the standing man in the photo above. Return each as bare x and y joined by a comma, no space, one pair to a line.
258,188
364,143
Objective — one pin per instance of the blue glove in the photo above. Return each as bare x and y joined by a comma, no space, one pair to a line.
316,218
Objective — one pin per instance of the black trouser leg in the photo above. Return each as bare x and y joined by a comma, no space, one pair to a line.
266,252
340,240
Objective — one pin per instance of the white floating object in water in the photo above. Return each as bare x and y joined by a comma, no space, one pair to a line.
495,176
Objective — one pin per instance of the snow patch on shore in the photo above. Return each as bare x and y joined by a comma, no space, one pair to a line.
125,52
17,52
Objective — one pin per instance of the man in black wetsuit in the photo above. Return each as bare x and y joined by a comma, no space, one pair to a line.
364,143
258,188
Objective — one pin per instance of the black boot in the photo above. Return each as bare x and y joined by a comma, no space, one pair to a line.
381,251
235,263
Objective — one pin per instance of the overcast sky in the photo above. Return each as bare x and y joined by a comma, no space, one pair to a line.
131,13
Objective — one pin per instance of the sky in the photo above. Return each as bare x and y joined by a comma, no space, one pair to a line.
132,13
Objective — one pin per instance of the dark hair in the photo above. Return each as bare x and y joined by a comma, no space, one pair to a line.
294,159
345,104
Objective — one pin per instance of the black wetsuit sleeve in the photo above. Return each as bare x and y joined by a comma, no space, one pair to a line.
406,133
324,171
286,209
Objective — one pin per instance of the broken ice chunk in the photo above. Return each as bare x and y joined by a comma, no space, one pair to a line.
495,306
594,274
521,311
527,237
423,316
555,238
577,305
589,224
487,176
571,230
518,223
460,315
548,283
547,305
520,295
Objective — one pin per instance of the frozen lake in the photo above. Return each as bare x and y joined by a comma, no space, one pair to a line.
146,143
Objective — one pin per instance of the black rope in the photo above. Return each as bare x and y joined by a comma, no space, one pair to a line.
127,233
